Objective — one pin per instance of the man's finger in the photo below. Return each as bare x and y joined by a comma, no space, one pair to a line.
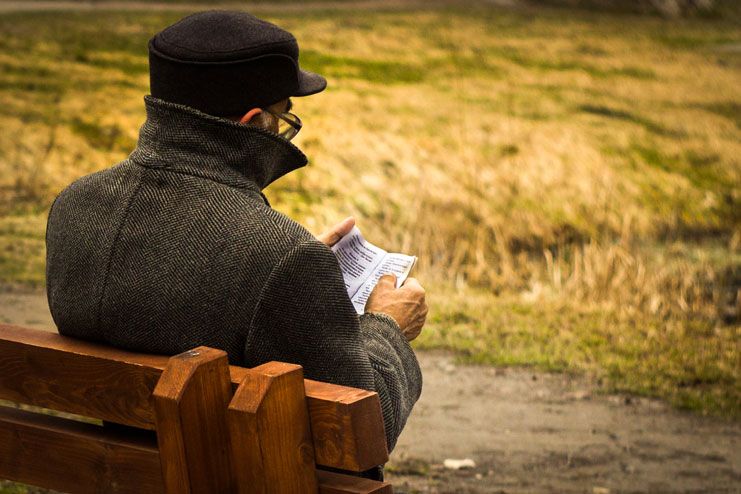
413,284
388,279
335,233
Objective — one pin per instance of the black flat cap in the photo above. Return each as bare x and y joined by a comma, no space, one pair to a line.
225,63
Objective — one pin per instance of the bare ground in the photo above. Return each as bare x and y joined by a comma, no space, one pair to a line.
532,432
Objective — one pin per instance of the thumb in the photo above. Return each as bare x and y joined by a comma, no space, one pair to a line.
343,227
388,279
335,234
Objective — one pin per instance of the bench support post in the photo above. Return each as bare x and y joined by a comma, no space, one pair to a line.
190,402
273,451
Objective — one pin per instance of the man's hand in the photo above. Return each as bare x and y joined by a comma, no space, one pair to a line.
405,304
335,234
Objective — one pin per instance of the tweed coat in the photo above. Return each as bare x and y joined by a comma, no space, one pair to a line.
177,246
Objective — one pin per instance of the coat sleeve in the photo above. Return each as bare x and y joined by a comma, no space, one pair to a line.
305,316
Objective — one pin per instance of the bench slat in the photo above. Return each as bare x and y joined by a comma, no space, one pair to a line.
48,370
71,456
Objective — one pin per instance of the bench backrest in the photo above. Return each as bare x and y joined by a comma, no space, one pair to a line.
219,428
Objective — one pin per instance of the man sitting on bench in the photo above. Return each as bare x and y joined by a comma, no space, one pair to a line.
177,246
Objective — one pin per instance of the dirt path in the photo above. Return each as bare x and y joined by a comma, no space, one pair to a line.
533,432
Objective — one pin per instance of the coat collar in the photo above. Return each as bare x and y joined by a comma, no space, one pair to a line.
183,139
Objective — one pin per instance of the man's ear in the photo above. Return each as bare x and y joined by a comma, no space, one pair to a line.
249,115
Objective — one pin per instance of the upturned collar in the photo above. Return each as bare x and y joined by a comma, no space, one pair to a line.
183,139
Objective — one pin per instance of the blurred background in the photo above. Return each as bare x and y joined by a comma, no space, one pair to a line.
567,171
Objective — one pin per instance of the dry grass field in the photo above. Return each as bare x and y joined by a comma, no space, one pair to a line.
569,180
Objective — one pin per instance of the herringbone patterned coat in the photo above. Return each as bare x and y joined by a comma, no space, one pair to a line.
177,247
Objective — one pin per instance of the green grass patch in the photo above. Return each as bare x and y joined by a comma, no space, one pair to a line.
7,487
704,171
529,61
379,71
694,40
617,114
694,365
105,137
124,62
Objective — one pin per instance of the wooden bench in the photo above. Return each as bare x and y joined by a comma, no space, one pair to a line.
202,426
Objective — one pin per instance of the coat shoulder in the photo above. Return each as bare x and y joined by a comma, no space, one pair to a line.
80,231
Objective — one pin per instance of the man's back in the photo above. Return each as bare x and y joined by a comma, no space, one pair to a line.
163,253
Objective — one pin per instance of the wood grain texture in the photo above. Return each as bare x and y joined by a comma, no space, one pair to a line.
71,456
271,439
336,483
191,399
52,371
347,425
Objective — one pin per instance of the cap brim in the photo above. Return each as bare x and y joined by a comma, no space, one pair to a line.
309,83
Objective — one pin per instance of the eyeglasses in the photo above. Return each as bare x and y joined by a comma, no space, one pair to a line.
288,124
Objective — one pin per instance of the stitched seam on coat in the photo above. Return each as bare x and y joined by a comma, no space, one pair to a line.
113,247
277,265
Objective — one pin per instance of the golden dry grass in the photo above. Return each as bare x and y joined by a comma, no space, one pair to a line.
569,180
